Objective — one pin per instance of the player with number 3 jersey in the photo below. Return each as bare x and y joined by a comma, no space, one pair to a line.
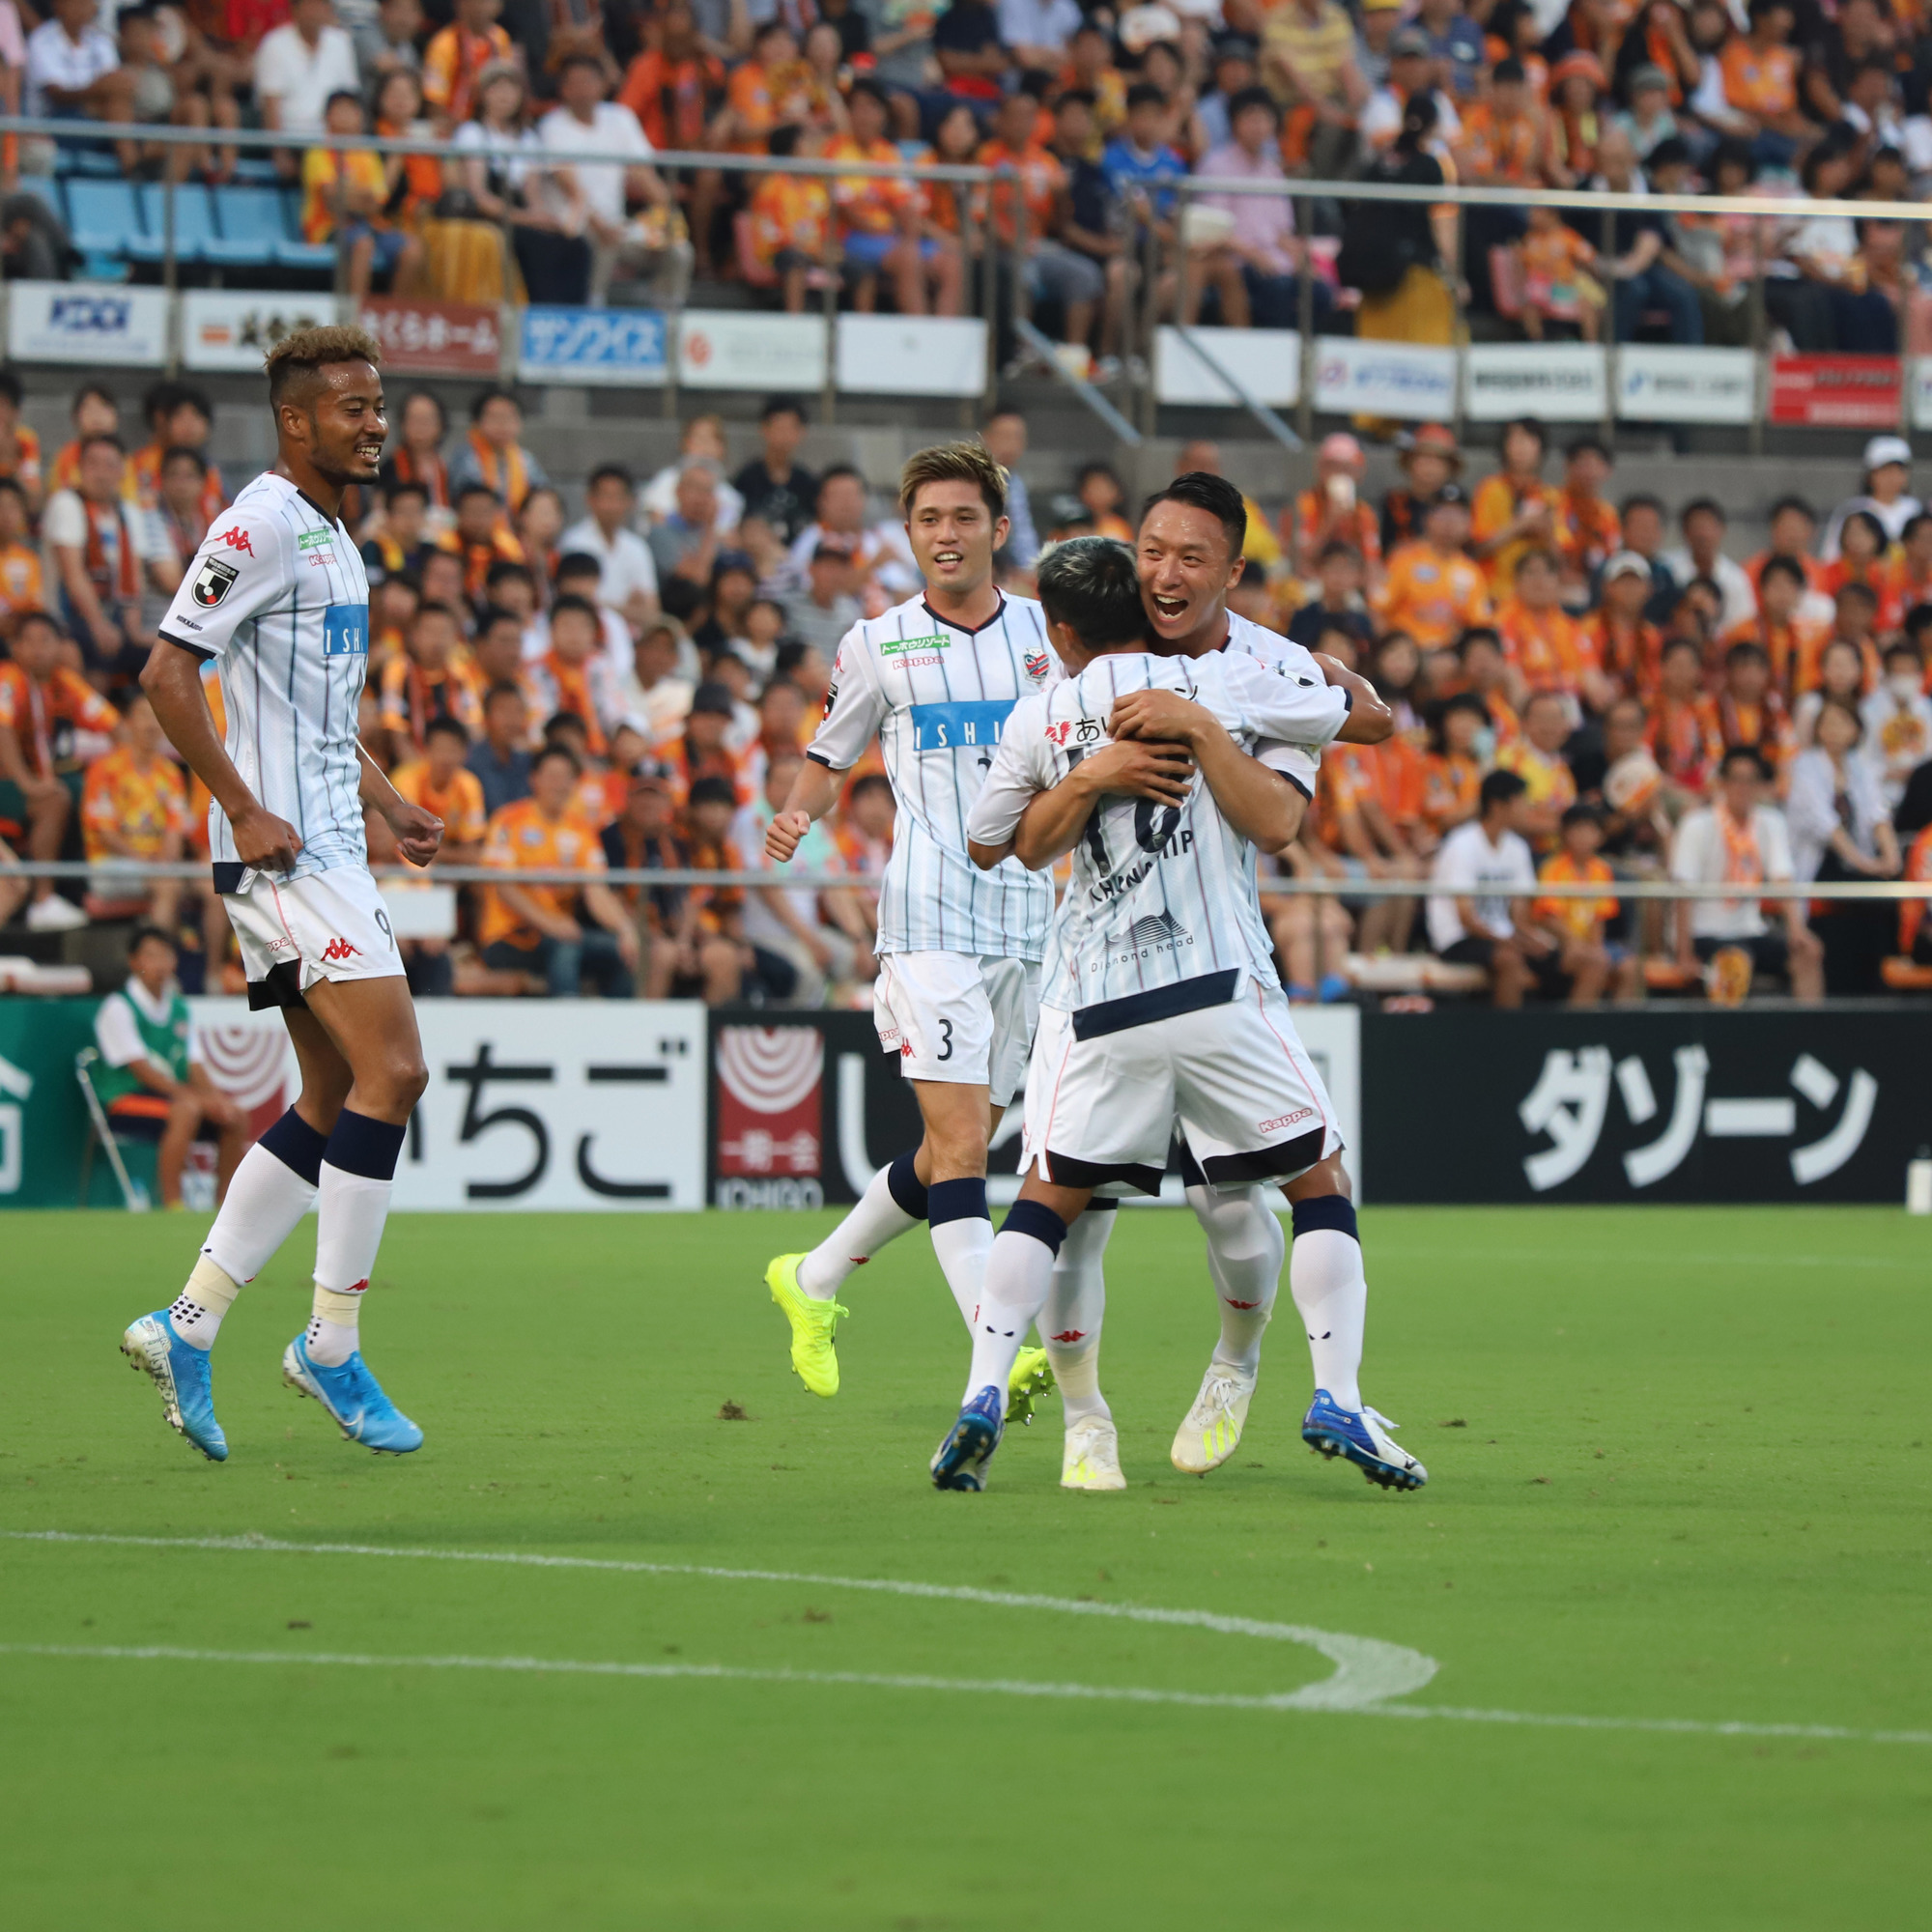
277,597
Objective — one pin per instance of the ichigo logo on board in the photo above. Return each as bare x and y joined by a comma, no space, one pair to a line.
339,949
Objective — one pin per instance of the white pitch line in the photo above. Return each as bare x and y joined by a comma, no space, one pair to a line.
1364,1665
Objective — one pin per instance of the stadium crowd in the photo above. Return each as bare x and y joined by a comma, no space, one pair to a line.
1587,690
1097,112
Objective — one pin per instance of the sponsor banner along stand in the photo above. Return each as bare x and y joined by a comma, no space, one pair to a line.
1266,362
434,338
1837,392
597,347
911,356
1384,379
1657,382
734,349
1556,382
1668,1103
224,329
87,322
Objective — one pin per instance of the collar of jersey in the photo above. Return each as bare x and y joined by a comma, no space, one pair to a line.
966,630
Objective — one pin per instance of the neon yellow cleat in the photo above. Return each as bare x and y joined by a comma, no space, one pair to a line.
1032,1376
1092,1457
1211,1432
814,1323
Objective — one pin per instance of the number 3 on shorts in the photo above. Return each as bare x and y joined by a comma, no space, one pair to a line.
946,1034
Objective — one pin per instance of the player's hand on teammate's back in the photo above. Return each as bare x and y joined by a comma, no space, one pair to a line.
265,843
418,833
1369,721
1137,768
782,834
1160,714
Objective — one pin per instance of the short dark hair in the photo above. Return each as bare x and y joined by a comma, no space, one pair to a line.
505,570
1252,96
1500,789
180,452
1781,566
563,751
1092,587
1580,814
1145,93
22,618
483,398
1579,444
578,563
403,487
494,614
871,88
1640,499
445,726
1672,645
607,472
1760,765
1337,547
10,388
498,691
1201,490
1709,505
1798,503
1478,634
713,790
1852,587
782,406
144,934
473,490
582,605
1746,653
434,607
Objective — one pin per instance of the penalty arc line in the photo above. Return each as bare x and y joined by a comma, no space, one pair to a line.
1362,1663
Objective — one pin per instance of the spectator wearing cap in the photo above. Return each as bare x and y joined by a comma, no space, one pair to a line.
1885,495
1428,458
1381,21
1625,645
1411,73
1308,64
628,573
1647,120
1257,270
1233,70
1335,509
829,608
1434,590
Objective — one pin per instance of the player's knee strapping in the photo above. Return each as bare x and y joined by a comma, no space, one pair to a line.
1327,1210
904,1185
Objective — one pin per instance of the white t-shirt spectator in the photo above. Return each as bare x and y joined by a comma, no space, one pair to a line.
118,1036
1892,515
1467,866
65,524
1699,857
658,498
613,131
1898,737
1732,579
55,60
1038,23
301,77
626,557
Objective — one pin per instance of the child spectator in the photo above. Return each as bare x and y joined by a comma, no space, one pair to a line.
1536,758
654,693
133,805
1556,283
23,584
344,192
440,783
1577,926
791,218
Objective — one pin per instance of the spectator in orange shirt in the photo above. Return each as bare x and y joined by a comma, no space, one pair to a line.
767,88
1547,648
481,538
94,413
1861,558
1587,529
1785,639
878,219
1794,528
1556,285
456,57
1433,589
1750,713
1575,926
702,751
1452,772
1504,139
133,805
1683,735
560,934
431,679
1854,613
1537,758
1761,76
1357,822
23,584
1514,509
441,782
1628,647
1335,510
42,704
181,418
20,446
791,218
575,675
1909,573
675,88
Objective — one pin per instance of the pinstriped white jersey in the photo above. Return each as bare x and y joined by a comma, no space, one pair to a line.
1159,894
938,697
1299,763
278,597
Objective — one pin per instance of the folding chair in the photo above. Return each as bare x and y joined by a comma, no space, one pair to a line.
132,1194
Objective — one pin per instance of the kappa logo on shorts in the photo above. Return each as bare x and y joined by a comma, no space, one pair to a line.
214,581
339,949
1285,1120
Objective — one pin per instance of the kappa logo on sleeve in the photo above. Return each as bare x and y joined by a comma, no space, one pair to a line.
214,581
237,538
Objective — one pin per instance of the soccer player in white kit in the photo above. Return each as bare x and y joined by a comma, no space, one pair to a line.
957,993
279,598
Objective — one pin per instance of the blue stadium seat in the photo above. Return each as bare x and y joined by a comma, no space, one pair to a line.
100,162
46,190
252,227
255,171
194,226
103,217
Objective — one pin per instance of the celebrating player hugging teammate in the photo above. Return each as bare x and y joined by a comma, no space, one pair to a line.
1161,1006
278,597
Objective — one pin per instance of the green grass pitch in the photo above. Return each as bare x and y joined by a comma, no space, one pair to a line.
1678,1472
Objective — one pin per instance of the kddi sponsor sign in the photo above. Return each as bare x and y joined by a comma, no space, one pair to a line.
1668,1105
573,1105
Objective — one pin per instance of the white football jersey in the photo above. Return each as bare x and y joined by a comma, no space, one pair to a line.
1299,764
1159,894
938,697
278,597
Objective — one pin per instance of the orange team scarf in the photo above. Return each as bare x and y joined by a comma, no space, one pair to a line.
509,477
25,453
1743,864
573,693
431,473
112,567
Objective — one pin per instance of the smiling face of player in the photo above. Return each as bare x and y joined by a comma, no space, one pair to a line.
336,426
1187,567
954,536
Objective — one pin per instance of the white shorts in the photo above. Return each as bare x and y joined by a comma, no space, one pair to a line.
325,926
958,1016
1232,1078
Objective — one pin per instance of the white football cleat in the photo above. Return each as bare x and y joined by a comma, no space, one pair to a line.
1211,1429
1091,1459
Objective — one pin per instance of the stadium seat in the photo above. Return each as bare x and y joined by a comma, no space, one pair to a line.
254,171
249,225
194,225
71,158
44,190
103,217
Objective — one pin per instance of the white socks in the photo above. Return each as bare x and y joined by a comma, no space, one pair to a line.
1245,1246
196,1312
1076,1304
353,1203
893,1203
1018,1279
1331,1293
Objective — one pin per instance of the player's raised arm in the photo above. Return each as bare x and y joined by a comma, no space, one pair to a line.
1369,721
171,678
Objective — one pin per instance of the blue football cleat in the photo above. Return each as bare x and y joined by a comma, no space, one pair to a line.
960,1461
1362,1437
354,1397
180,1372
